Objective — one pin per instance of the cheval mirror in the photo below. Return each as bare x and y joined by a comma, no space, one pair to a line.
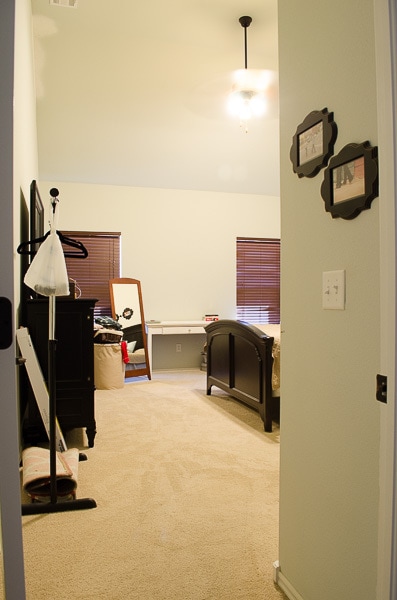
127,310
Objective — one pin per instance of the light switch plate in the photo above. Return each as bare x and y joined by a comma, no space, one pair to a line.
334,290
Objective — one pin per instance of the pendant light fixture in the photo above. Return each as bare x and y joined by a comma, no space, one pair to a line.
248,99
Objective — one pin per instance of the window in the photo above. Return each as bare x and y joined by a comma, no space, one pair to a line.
92,274
258,280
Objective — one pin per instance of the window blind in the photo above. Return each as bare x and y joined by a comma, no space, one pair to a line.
258,280
92,274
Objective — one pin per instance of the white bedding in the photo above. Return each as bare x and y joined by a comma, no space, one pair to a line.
274,331
137,357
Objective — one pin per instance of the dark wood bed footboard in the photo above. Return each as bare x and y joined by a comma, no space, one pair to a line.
239,362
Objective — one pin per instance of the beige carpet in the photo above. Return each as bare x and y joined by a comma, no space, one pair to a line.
186,487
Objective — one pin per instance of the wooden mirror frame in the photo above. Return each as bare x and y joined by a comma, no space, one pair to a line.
144,371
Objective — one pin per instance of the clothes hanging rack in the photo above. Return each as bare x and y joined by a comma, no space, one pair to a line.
53,505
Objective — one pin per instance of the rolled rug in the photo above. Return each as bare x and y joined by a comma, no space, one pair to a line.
36,473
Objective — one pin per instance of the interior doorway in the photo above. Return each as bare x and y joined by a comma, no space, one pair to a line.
10,505
385,14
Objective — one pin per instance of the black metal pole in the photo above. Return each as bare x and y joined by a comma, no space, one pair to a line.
52,396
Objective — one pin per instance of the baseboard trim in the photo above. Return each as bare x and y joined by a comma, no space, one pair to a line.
284,584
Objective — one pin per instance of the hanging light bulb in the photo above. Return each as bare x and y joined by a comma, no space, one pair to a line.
248,98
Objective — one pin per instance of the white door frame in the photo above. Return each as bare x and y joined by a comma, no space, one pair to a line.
10,495
386,45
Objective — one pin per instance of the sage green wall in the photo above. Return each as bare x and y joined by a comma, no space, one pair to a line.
330,418
180,244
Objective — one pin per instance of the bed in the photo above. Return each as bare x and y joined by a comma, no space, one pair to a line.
244,361
137,359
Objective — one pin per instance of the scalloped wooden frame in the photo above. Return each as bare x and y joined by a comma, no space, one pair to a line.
362,157
310,168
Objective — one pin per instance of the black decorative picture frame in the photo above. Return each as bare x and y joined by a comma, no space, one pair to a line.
313,143
351,181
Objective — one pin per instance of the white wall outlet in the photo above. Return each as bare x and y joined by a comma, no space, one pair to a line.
334,290
179,347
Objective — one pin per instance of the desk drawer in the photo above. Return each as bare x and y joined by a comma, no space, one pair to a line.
182,330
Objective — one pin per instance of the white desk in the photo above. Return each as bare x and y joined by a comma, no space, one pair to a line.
172,328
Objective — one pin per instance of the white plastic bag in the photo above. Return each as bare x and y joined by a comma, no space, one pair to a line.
47,274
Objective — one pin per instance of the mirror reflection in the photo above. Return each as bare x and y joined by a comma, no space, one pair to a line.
127,309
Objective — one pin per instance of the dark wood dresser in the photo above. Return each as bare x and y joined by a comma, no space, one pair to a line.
74,323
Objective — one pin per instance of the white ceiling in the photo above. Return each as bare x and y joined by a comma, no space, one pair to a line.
133,93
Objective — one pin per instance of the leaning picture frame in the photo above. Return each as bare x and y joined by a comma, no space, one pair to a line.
36,216
351,181
313,143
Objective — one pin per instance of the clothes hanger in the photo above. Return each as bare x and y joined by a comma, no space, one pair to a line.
81,250
22,247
